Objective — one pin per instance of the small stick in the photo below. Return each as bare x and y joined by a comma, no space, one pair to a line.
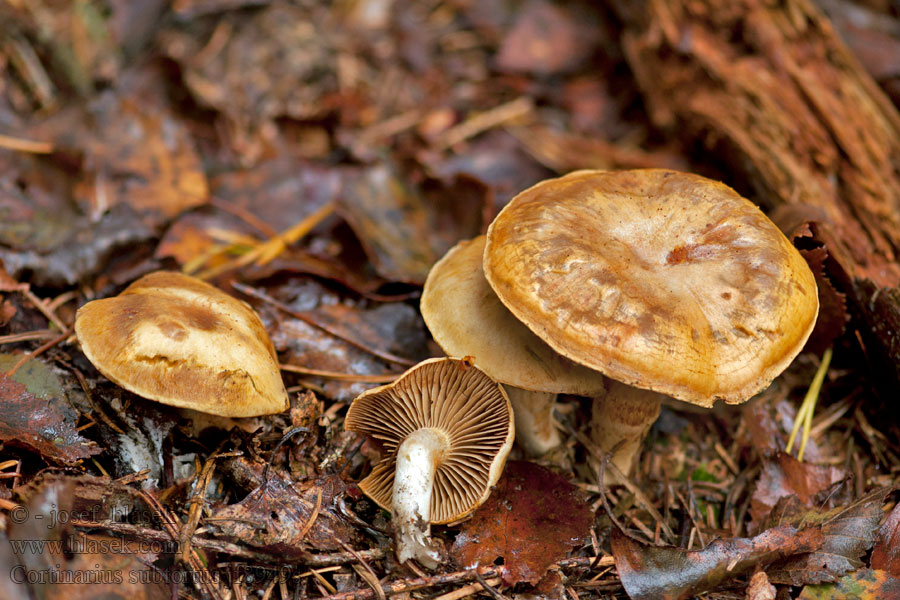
254,293
39,334
39,304
488,119
467,590
23,145
188,529
37,352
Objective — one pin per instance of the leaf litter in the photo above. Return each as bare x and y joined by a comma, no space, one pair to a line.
198,134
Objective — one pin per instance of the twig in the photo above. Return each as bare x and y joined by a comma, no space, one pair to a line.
87,392
489,119
306,559
23,145
368,573
418,583
37,352
39,334
196,507
456,577
168,520
467,590
254,293
244,215
39,304
626,481
313,516
271,248
495,594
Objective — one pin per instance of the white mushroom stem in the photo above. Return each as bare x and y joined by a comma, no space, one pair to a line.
621,419
417,460
536,429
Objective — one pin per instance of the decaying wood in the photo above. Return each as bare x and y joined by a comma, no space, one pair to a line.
773,90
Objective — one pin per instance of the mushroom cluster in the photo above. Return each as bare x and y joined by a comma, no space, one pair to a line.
666,283
175,339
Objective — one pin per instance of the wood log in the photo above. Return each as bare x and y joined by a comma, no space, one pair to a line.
772,90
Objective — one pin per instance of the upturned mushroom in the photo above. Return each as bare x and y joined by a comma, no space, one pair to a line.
180,341
466,317
446,429
669,283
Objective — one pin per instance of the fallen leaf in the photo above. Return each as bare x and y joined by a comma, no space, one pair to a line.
545,39
279,192
849,533
886,553
36,415
301,344
392,329
496,159
388,216
404,230
278,518
667,573
44,236
864,584
783,475
290,40
134,150
532,519
769,417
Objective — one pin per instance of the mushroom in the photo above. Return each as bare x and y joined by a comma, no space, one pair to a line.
465,317
668,282
180,341
446,429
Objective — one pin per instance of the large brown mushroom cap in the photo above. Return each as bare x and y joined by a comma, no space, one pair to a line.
463,403
663,280
180,341
466,317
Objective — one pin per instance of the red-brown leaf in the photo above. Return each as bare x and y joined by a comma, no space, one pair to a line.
36,415
784,475
886,553
532,519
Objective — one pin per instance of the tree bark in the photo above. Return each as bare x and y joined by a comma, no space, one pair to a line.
772,89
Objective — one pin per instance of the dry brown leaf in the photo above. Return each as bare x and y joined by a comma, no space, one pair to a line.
667,573
783,475
532,519
849,533
278,518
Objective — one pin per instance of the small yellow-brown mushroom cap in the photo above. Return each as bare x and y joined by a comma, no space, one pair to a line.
180,341
466,318
662,280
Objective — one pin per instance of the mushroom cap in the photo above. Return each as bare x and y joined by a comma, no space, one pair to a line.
662,280
466,317
463,402
180,341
